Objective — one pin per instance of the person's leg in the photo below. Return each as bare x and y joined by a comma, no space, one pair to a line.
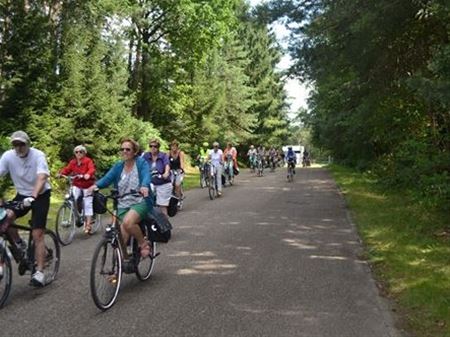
39,248
88,210
219,171
130,227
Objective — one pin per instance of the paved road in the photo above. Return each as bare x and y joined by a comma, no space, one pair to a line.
269,258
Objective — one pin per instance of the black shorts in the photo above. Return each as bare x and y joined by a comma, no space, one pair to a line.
39,209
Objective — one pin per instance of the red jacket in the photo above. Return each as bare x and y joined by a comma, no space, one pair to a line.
86,167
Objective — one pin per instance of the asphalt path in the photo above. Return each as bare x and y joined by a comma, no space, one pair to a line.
268,258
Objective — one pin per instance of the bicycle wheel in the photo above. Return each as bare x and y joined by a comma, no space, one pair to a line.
65,224
53,256
97,223
5,276
212,188
144,265
106,274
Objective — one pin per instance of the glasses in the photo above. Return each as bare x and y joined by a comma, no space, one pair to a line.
79,152
125,149
155,146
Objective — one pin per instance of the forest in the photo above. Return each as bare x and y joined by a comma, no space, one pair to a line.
93,71
380,78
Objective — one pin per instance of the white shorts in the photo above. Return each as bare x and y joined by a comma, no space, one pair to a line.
163,194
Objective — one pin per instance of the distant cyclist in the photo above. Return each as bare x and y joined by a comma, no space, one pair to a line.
216,158
251,154
230,151
176,162
291,158
83,167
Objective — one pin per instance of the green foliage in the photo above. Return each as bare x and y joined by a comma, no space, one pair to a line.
381,85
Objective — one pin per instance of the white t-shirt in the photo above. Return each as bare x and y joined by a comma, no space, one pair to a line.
24,171
216,157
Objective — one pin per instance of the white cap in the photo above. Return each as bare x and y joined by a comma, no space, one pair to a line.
20,136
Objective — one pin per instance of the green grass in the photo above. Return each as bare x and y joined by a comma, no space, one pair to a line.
408,247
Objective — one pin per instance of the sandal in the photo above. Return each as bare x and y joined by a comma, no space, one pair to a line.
145,249
87,229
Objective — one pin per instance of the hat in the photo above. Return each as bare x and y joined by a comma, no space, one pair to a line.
20,136
215,144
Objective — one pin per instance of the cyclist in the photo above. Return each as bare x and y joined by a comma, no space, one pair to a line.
306,160
29,172
83,166
251,154
130,173
291,158
231,150
273,157
176,162
216,158
160,169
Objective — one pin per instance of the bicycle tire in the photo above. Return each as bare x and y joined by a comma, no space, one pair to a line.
65,224
106,253
53,256
6,278
211,188
144,266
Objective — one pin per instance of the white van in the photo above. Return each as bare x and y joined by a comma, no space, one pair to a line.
298,149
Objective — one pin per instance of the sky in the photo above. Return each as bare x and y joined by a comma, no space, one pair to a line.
297,92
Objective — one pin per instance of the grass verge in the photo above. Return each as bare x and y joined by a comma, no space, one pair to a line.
408,247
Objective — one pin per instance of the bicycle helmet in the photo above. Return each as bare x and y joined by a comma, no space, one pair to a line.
205,144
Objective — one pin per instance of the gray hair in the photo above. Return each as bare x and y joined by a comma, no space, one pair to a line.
79,148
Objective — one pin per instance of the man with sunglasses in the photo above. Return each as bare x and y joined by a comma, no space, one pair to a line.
29,172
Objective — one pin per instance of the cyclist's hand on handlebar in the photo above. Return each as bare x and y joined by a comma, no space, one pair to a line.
144,191
28,201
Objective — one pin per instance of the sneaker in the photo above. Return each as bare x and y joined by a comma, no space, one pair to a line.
219,193
38,279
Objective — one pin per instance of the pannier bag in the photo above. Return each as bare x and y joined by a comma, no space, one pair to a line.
159,225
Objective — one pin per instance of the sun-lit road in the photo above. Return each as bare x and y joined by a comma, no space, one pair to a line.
269,258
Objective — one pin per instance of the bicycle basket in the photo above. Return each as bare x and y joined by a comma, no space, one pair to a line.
99,203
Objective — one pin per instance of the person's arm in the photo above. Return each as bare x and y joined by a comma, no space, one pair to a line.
108,178
181,160
90,169
3,166
42,175
66,170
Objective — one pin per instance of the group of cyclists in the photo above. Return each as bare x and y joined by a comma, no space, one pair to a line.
135,171
260,158
156,175
218,162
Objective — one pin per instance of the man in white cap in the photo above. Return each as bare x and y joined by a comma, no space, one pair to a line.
216,158
29,172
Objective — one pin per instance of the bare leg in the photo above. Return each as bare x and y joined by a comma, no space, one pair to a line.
39,247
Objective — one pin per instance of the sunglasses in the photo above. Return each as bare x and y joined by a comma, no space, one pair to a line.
126,149
155,146
79,152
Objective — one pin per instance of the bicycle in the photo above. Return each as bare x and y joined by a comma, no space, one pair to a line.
228,170
212,182
25,260
71,216
290,171
202,166
111,253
